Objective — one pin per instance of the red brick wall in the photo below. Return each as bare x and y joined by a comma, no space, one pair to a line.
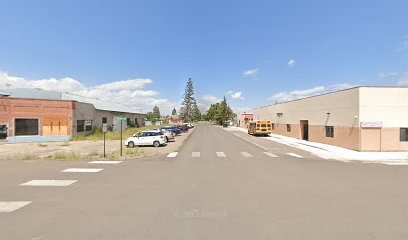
44,110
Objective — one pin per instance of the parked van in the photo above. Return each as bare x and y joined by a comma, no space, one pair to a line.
260,127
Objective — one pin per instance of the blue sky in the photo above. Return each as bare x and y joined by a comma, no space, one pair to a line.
253,52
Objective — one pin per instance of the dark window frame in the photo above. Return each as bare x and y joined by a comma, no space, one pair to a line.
104,120
88,127
403,136
80,127
35,131
288,127
329,131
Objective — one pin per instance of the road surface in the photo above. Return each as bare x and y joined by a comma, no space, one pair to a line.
217,186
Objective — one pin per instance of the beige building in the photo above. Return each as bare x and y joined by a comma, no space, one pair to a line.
360,118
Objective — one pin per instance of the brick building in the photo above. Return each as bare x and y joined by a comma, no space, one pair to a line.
36,115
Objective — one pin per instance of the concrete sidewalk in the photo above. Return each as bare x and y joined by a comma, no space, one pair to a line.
337,153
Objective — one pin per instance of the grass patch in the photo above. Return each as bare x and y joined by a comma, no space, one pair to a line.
66,156
97,134
132,152
28,156
94,153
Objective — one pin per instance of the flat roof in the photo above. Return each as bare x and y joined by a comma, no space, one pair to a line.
332,92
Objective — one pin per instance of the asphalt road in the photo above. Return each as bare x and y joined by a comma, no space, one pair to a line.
218,186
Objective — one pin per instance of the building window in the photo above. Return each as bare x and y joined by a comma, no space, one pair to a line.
128,121
80,125
404,134
24,127
136,123
288,127
88,125
104,120
330,131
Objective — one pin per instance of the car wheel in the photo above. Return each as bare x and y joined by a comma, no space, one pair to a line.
156,143
167,139
131,144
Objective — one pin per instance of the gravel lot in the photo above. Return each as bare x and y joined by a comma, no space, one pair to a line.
84,149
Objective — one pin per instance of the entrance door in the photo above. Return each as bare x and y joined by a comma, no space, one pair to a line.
304,124
3,132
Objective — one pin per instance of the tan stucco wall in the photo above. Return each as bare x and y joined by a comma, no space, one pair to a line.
348,109
343,109
388,105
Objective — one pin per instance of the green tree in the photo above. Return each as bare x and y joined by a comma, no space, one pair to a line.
219,112
174,112
156,113
189,111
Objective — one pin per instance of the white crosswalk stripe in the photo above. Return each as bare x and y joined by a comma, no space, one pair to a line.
294,155
270,154
220,154
49,183
195,154
172,155
82,170
246,154
105,162
8,207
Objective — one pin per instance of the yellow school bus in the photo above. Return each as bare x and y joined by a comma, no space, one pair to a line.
260,127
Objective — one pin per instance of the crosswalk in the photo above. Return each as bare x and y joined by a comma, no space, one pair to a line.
243,154
7,207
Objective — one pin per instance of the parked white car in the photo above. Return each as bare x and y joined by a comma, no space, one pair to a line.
146,138
169,134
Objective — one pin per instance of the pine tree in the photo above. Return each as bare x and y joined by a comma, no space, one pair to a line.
189,111
174,112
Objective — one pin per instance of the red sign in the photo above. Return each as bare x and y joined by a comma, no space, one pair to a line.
371,124
247,115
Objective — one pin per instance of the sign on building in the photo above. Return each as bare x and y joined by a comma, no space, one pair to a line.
371,124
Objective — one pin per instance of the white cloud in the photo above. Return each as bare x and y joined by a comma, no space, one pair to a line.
229,92
291,62
251,72
128,92
237,95
404,45
298,94
126,84
399,78
341,86
403,80
211,99
384,74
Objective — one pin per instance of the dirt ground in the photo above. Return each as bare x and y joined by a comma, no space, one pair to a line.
84,149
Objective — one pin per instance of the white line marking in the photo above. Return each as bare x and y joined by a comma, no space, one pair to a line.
8,207
220,154
270,154
294,155
246,154
49,183
321,156
172,155
195,154
82,170
105,162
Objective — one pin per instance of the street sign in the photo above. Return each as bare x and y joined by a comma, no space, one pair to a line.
104,127
120,118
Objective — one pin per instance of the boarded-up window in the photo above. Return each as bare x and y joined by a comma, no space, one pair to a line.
25,127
